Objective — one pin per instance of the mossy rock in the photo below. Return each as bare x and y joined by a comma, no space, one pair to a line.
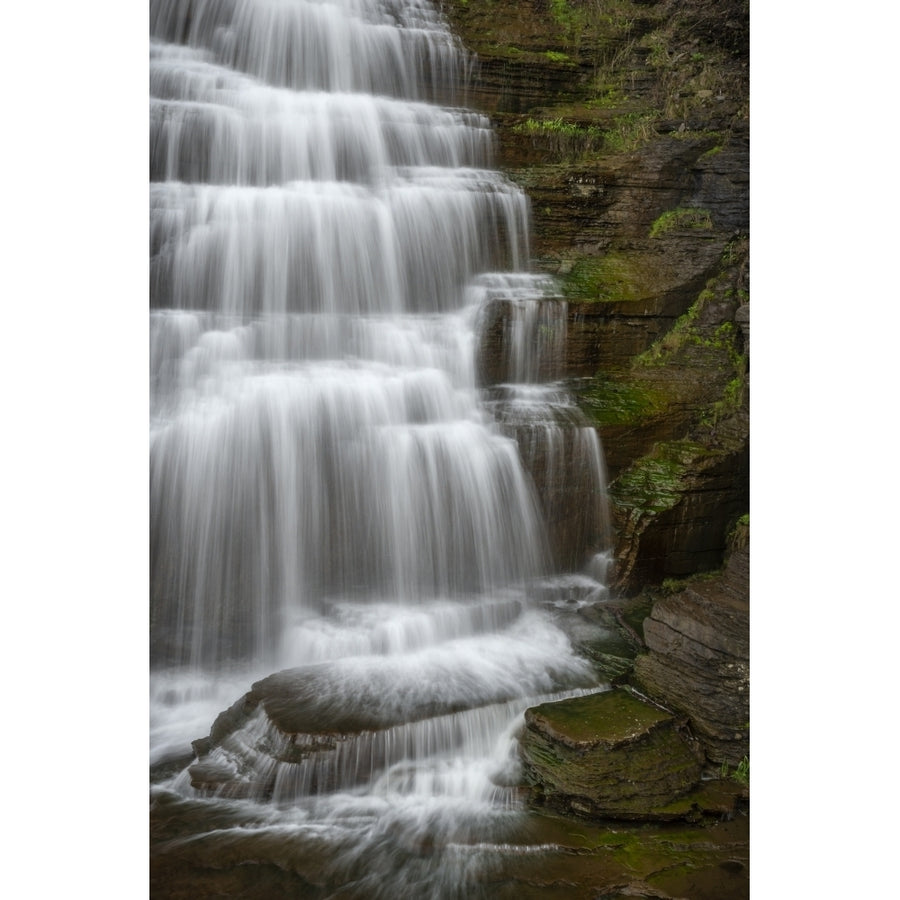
609,755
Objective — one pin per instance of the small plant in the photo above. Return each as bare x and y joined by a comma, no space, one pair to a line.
566,138
741,773
672,586
681,218
629,131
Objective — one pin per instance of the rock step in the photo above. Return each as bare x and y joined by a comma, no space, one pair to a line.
613,755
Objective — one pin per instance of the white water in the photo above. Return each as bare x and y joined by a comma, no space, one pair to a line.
329,492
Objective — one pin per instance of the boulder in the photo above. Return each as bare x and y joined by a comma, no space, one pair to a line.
611,755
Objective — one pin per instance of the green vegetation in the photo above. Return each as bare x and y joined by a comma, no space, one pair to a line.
687,333
629,131
562,137
671,586
732,400
741,774
655,482
558,126
610,402
609,716
677,219
689,77
602,278
735,252
573,20
623,134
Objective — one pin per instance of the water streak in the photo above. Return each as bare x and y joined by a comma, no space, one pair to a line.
334,496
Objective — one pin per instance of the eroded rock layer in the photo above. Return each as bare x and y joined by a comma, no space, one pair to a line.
609,755
698,658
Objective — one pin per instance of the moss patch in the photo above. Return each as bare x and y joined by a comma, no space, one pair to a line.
609,402
678,219
656,482
608,755
615,276
610,717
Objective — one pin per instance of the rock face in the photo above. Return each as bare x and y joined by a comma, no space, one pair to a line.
520,354
698,658
609,755
675,507
628,127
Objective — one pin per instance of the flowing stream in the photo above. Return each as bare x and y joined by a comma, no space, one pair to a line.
370,495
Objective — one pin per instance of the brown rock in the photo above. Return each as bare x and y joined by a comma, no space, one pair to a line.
609,755
698,660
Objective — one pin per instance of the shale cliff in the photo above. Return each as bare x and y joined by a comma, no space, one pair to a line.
627,123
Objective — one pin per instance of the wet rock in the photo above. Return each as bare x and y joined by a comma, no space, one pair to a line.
609,755
698,662
742,319
635,890
564,468
673,510
520,341
562,86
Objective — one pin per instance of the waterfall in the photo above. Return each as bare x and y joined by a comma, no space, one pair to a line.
350,485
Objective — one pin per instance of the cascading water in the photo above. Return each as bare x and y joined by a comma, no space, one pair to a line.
338,494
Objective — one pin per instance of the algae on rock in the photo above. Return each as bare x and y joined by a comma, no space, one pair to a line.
613,755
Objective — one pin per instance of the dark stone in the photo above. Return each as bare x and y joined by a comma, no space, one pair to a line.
583,72
681,528
698,658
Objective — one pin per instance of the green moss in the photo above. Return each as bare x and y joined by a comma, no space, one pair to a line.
612,277
609,716
681,218
687,333
651,484
557,57
609,402
655,482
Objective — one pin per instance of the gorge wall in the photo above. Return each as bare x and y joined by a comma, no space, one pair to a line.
627,123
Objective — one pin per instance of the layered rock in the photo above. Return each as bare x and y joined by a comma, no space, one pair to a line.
698,657
628,128
562,455
305,730
521,338
612,755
